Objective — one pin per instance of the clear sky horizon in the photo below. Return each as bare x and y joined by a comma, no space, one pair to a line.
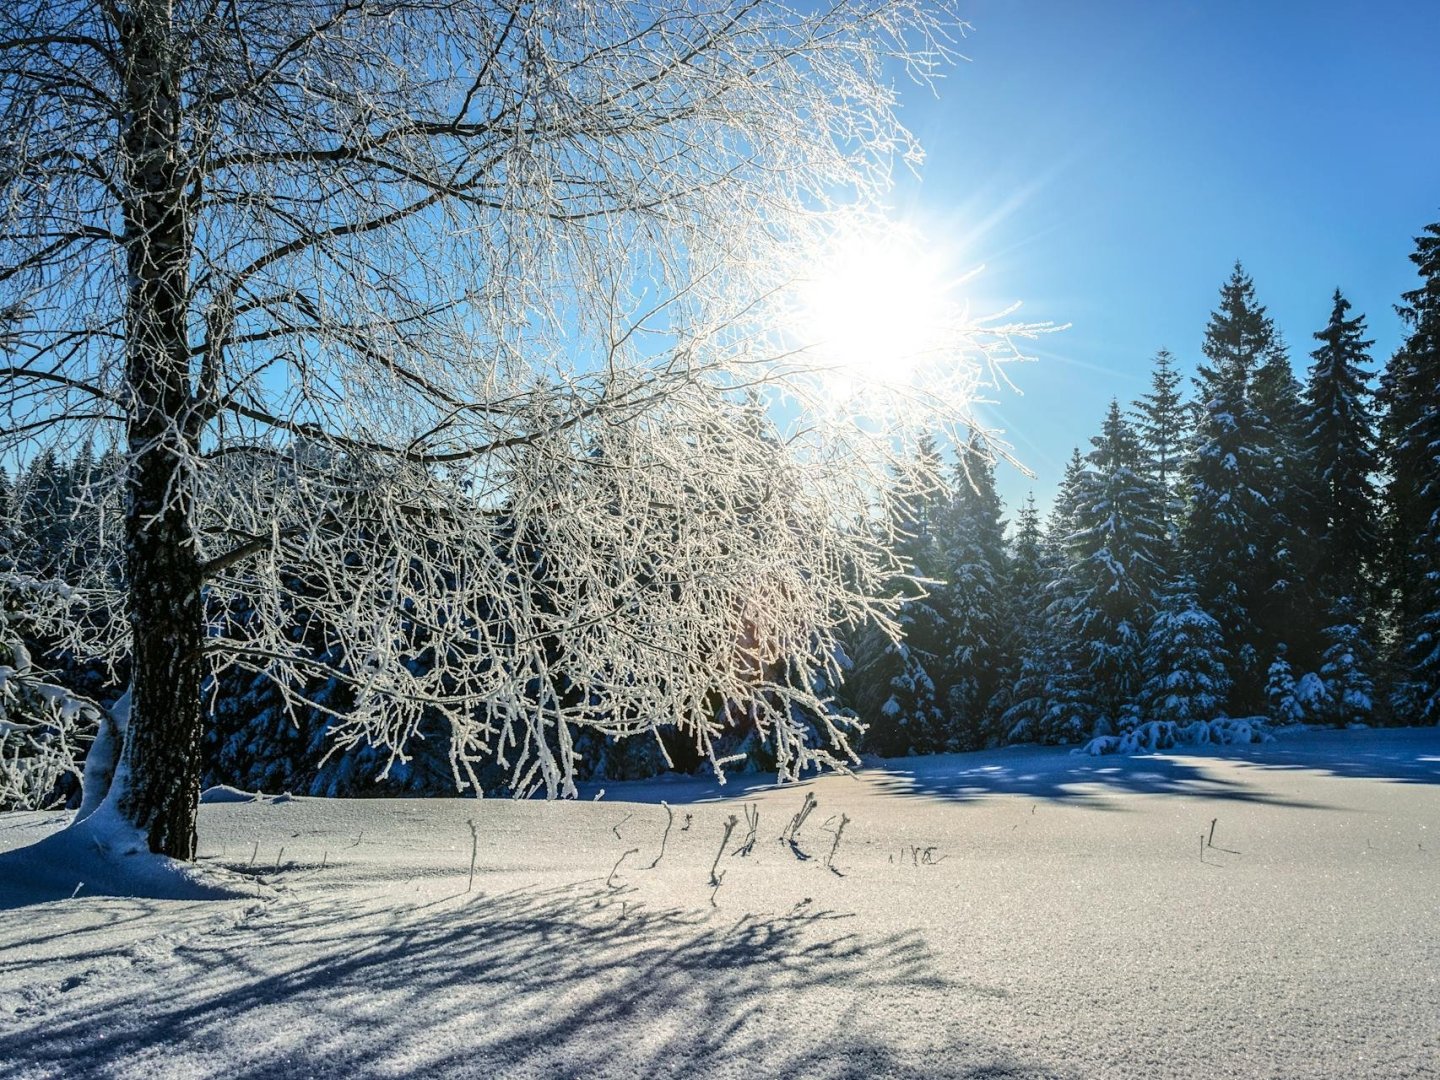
1108,163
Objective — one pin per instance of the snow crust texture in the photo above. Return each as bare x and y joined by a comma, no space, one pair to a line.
1230,910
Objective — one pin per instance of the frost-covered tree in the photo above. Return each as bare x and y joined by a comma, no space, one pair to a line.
1228,484
1185,671
1117,554
1339,450
45,726
323,273
1409,398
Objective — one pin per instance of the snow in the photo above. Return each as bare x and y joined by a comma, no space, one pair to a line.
1017,913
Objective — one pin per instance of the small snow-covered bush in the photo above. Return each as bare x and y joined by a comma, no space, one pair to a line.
1165,734
1312,695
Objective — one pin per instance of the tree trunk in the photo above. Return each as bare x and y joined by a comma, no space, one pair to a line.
161,760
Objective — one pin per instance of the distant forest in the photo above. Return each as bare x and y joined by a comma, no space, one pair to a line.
1240,543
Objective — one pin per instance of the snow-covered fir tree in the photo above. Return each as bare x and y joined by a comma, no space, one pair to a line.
894,690
1286,609
1184,663
1116,553
1345,668
972,543
1228,481
1282,703
1409,397
1163,425
1339,450
1019,702
1069,714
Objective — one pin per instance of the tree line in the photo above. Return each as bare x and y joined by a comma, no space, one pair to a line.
1247,545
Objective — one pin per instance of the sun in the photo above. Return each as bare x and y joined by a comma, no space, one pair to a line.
876,309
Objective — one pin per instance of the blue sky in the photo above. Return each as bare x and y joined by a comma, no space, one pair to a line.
1108,162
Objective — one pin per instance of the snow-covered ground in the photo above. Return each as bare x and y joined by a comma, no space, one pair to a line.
1010,914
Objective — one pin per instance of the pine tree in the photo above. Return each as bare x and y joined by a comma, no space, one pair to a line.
1228,480
1061,522
1339,448
1068,713
1278,399
1184,664
1282,703
1409,396
43,513
1345,669
1116,554
1163,424
9,524
911,720
1020,702
1287,608
894,688
972,541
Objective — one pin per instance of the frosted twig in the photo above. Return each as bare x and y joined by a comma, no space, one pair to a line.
792,830
752,823
474,852
609,880
838,831
669,821
715,878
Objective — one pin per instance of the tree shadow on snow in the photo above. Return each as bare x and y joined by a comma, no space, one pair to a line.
1405,755
1410,756
555,982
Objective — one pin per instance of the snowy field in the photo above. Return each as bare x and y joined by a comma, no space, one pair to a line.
1008,914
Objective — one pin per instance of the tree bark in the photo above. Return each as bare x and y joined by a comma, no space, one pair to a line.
161,760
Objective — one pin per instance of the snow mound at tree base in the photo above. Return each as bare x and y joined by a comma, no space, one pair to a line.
102,855
1164,734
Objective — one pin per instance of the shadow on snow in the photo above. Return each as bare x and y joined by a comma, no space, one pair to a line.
562,981
1409,755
